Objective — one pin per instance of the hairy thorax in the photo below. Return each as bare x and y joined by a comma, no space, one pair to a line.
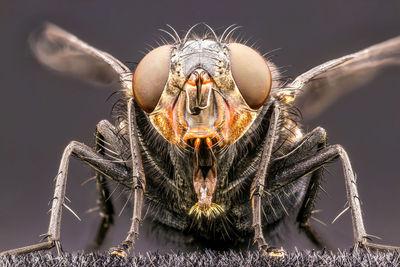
170,191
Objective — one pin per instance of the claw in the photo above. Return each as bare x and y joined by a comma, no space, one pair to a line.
275,252
60,251
119,252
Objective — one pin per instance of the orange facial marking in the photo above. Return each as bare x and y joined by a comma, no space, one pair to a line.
236,122
163,124
229,115
209,142
169,121
241,122
205,79
193,79
221,113
178,112
194,135
200,132
197,143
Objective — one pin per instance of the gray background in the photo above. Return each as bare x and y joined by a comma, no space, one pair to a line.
41,112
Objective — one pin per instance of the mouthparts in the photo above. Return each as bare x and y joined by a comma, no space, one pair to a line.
204,179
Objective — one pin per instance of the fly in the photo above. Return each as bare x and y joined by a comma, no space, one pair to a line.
207,132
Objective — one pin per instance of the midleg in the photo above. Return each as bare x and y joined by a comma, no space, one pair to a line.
104,166
315,140
108,143
308,145
313,163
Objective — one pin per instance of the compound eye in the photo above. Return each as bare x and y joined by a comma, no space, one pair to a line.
150,77
251,74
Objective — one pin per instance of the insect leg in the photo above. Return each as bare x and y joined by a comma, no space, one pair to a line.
257,187
316,138
139,183
311,142
106,136
315,162
115,171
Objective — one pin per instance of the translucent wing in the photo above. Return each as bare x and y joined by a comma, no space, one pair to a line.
64,52
314,90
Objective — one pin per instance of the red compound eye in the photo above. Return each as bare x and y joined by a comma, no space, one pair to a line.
150,77
251,74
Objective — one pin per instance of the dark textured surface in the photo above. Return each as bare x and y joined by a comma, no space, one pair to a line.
210,258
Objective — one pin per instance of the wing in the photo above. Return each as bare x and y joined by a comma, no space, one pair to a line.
64,52
316,89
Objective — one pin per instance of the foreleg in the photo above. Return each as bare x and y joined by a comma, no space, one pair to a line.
313,163
96,161
259,181
138,181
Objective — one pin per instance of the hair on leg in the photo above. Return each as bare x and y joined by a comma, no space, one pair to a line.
96,161
313,163
138,182
257,187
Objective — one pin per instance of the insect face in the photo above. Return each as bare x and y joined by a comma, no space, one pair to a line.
203,95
